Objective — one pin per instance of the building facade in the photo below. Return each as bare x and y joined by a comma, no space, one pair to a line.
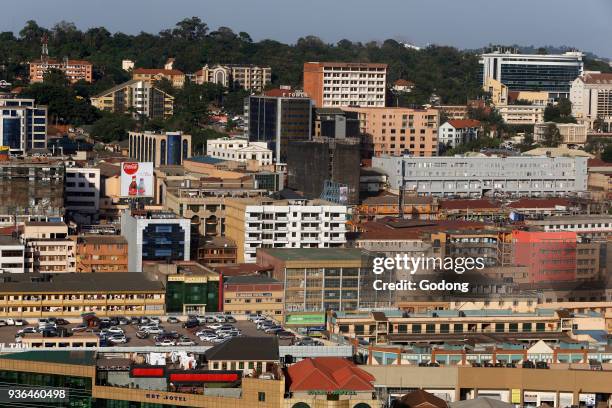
176,77
162,149
82,194
571,133
48,248
139,98
155,236
475,176
12,255
240,150
531,72
243,295
336,84
521,114
23,125
248,77
278,120
397,131
456,132
259,223
74,70
101,253
591,97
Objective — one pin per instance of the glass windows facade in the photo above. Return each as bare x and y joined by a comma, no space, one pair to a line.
162,242
180,293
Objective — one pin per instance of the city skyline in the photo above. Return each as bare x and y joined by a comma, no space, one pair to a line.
546,23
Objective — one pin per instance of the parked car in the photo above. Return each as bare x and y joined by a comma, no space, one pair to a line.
155,320
26,330
15,322
541,364
115,330
144,320
273,329
285,335
230,319
3,323
251,317
215,326
154,330
142,334
185,341
80,328
117,338
164,343
528,364
134,320
189,324
218,340
307,341
220,319
204,332
172,319
123,321
207,336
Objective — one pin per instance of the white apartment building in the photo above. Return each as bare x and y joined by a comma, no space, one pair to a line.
82,193
591,97
571,133
521,176
23,125
240,150
592,226
336,84
12,255
249,77
456,132
48,249
262,223
521,114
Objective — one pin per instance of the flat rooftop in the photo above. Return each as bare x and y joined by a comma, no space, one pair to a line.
318,254
80,282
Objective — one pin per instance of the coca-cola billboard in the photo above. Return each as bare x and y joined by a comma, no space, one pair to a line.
137,179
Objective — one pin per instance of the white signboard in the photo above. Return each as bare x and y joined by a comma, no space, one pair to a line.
137,179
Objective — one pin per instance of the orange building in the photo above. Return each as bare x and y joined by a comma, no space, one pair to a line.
548,256
398,131
336,84
102,253
176,77
75,70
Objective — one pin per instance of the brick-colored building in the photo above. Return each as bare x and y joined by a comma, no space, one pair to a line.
75,70
176,77
336,84
102,253
253,294
398,131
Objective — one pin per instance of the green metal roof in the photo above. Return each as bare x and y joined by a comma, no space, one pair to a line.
84,357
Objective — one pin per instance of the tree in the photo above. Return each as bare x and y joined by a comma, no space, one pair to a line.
607,154
190,29
552,136
561,112
112,127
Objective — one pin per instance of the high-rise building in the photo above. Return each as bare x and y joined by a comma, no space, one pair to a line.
336,84
533,72
139,97
278,118
170,148
12,253
591,97
310,164
102,253
249,77
263,223
48,248
335,123
23,125
155,236
82,194
397,131
74,70
477,176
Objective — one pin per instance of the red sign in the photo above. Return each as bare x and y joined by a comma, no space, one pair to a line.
130,168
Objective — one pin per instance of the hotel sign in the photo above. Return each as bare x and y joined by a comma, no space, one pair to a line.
165,397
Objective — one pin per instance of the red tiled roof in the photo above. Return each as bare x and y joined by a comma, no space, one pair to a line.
592,78
598,163
472,204
540,203
328,374
403,82
464,123
156,71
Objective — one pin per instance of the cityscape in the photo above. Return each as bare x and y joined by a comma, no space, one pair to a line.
198,218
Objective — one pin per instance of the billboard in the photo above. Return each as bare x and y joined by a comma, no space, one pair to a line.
136,179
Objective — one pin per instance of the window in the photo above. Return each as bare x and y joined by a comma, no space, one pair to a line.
540,327
416,328
430,328
261,396
499,327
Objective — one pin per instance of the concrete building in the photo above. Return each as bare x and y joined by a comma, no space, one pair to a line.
571,133
336,84
249,77
74,70
453,112
155,236
162,149
325,168
31,189
12,255
278,118
72,295
456,132
553,73
243,295
259,223
48,249
240,150
153,75
521,114
101,253
23,125
140,98
82,194
591,97
594,227
397,131
477,176
217,251
335,123
320,279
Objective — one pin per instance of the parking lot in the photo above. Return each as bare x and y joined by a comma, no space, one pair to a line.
247,328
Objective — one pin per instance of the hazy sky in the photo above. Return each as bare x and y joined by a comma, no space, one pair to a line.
585,24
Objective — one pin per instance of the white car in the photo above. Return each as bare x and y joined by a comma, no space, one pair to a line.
2,322
219,319
26,330
164,343
215,326
185,342
208,337
218,340
15,322
155,320
204,332
153,330
118,338
115,330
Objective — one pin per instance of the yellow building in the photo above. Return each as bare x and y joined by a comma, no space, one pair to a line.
140,98
260,294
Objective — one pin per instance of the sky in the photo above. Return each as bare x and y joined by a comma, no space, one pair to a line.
584,24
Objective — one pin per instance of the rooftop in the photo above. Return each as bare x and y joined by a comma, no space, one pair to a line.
328,374
245,349
250,279
315,254
101,239
85,358
80,282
